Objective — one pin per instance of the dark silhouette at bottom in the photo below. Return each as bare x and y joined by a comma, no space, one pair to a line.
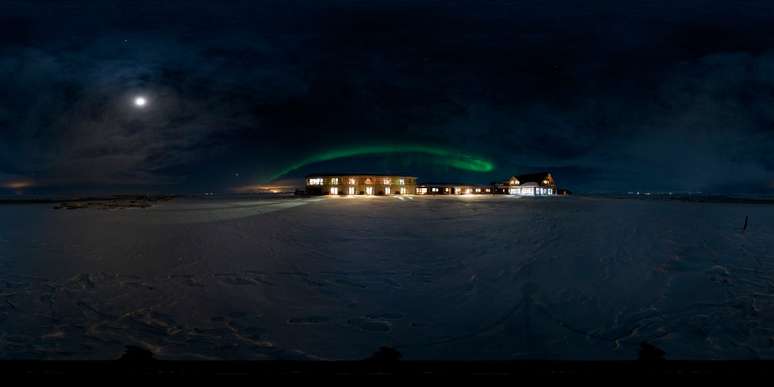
385,355
649,352
136,354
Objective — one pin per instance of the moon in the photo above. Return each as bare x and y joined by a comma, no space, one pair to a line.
140,101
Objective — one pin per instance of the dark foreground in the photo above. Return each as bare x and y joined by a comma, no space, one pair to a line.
333,279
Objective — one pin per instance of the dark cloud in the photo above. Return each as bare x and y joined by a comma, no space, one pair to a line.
70,119
610,96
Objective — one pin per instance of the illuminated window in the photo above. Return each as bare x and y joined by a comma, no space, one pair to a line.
386,181
316,181
402,181
386,190
446,189
350,190
487,190
467,190
421,191
351,181
368,181
550,191
334,181
402,190
478,189
334,190
369,190
435,189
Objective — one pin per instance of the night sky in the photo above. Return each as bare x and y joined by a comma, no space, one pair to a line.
610,96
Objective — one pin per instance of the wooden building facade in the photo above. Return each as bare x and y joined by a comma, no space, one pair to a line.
354,184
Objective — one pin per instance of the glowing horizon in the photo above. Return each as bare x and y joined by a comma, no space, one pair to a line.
444,156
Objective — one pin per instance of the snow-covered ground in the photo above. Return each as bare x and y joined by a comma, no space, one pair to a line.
436,278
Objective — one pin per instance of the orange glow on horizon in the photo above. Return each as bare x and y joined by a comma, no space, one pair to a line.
264,188
18,185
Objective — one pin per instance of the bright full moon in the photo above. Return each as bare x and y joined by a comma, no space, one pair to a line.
140,101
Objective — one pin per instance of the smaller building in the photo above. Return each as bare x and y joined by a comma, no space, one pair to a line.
453,189
359,184
533,184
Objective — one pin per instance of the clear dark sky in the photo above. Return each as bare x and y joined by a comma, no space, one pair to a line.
608,95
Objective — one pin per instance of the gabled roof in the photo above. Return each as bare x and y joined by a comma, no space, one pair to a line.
537,177
447,184
357,174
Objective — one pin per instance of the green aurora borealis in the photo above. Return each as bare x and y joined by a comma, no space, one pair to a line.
444,156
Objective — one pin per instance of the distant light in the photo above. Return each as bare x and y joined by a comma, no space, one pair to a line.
18,185
140,101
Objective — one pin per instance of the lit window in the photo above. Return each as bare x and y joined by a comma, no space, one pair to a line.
446,189
478,189
350,190
316,181
421,191
435,189
402,181
351,181
386,190
402,190
386,181
334,190
487,190
368,181
369,190
334,181
467,190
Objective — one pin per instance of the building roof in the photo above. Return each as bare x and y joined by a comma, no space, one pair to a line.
447,184
537,177
357,174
